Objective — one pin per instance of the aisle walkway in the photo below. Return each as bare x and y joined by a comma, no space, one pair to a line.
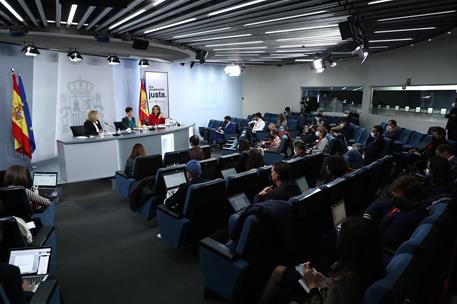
107,254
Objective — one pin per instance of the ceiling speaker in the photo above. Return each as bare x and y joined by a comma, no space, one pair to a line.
346,30
139,44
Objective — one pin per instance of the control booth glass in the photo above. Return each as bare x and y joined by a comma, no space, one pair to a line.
334,99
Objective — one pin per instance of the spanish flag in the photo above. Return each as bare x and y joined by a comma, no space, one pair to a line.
20,129
144,107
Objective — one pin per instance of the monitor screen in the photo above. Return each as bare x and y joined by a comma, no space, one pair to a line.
228,172
45,179
31,261
173,180
338,213
239,201
302,183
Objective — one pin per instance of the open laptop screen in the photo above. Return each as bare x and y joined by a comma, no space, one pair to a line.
338,213
31,261
302,183
239,201
45,179
173,180
228,172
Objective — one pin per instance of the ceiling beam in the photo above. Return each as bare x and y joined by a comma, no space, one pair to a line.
121,13
86,15
58,13
27,10
39,6
99,17
7,18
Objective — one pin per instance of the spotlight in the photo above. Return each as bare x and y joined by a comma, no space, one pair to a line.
30,50
318,65
74,56
232,70
332,63
201,55
113,60
143,63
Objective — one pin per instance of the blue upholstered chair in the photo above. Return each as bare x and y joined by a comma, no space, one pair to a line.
292,124
229,161
355,195
243,182
205,211
144,166
209,168
414,140
148,209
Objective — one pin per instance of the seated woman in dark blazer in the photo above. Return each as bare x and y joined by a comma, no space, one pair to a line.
92,124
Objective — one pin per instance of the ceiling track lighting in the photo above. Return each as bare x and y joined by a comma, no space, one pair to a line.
30,50
143,63
113,60
74,56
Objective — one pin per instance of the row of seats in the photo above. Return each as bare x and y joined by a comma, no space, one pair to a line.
148,165
418,270
15,204
238,274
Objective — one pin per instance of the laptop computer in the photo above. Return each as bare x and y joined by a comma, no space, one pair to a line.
228,172
46,182
32,262
172,182
239,201
339,214
302,184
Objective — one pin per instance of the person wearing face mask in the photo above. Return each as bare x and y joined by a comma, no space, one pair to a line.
299,149
398,218
392,130
370,153
322,141
319,118
419,157
451,125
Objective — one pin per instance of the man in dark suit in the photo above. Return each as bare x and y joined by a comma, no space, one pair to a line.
284,187
128,121
447,152
398,218
193,172
451,125
373,150
217,136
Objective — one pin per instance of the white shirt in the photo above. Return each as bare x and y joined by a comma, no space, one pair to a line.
96,127
259,125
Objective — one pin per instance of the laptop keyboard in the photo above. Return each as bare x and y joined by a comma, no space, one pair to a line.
33,280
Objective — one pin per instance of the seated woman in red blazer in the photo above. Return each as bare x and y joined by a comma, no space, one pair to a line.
156,117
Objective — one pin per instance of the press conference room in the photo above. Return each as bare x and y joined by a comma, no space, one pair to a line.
228,151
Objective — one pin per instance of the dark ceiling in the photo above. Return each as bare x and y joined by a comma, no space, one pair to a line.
250,31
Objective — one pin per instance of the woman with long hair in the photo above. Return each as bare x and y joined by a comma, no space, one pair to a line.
137,150
156,117
360,263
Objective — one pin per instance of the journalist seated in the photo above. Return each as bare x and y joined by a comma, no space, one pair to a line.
193,173
398,218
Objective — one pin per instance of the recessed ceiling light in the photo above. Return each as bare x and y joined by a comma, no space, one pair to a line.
379,47
11,10
307,45
243,52
379,1
127,18
407,30
235,43
169,25
304,60
335,36
234,55
235,7
296,50
285,18
429,39
417,16
391,40
243,48
302,29
72,13
201,33
222,37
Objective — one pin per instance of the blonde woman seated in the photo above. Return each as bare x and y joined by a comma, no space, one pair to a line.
321,142
17,176
92,124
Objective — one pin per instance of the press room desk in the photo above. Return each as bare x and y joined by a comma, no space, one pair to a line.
100,157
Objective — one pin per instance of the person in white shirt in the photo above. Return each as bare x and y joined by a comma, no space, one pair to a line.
258,123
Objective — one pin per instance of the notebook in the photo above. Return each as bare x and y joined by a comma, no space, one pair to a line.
46,182
32,262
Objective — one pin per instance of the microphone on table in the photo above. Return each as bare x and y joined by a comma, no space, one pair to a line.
115,134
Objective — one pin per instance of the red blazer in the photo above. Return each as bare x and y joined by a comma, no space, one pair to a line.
153,120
